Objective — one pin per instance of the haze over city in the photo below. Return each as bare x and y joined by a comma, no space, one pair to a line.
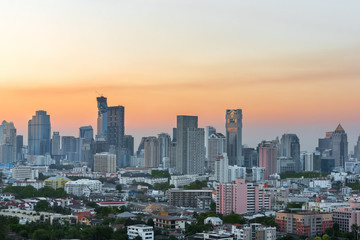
291,67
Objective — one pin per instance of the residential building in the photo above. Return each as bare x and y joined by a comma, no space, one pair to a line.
24,172
346,217
268,154
116,127
164,145
231,198
129,144
141,230
251,157
236,172
213,236
83,187
105,162
303,223
187,198
170,223
234,136
258,174
152,152
209,130
222,168
285,164
102,119
39,131
19,147
8,143
216,147
308,162
56,182
182,180
254,231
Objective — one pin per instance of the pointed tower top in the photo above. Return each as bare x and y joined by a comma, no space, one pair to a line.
339,128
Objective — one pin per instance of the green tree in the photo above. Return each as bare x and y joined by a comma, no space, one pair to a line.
150,222
234,219
325,237
172,237
41,234
213,206
119,188
41,206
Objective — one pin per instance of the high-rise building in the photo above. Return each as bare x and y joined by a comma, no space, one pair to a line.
268,154
241,198
7,142
216,147
173,155
129,144
357,149
195,151
308,162
55,144
68,144
115,127
174,134
234,136
339,146
86,132
105,162
251,157
19,147
152,152
209,130
183,124
290,148
164,141
324,143
222,169
39,133
102,121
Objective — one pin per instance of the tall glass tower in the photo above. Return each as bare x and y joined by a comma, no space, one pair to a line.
39,132
102,120
234,136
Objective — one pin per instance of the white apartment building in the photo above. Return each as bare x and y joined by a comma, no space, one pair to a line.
236,172
83,187
182,180
24,172
222,168
37,184
141,230
258,174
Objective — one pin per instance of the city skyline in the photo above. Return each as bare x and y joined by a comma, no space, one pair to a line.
291,66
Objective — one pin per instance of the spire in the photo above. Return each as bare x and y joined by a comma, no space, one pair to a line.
339,128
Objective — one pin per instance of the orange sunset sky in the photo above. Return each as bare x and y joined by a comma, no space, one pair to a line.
292,66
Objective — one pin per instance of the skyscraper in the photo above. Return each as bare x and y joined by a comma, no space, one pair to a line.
129,144
102,121
195,151
234,136
55,144
39,133
357,149
115,126
164,141
19,147
209,130
268,154
86,132
183,124
217,147
339,146
7,142
290,148
152,152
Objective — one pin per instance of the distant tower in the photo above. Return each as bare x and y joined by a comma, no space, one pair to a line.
151,152
189,145
234,137
102,121
86,132
164,141
290,147
39,133
115,126
268,154
7,142
209,130
216,148
55,144
339,146
357,149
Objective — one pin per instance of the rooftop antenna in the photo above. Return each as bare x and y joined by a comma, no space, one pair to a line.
100,94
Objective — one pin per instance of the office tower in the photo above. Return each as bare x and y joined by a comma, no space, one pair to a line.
324,143
172,154
115,127
164,141
308,162
105,162
55,144
285,164
234,136
268,154
209,130
129,144
195,151
19,147
140,151
251,157
68,144
357,149
39,133
183,124
290,148
174,134
152,152
7,142
317,161
222,168
86,132
102,120
216,147
339,146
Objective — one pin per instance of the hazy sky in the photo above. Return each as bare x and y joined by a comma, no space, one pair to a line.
292,66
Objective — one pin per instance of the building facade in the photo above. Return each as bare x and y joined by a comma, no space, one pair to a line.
39,133
105,162
234,136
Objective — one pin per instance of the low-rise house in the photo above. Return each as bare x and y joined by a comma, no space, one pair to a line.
169,222
215,221
141,230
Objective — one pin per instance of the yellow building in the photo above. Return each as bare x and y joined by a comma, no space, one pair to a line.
56,182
